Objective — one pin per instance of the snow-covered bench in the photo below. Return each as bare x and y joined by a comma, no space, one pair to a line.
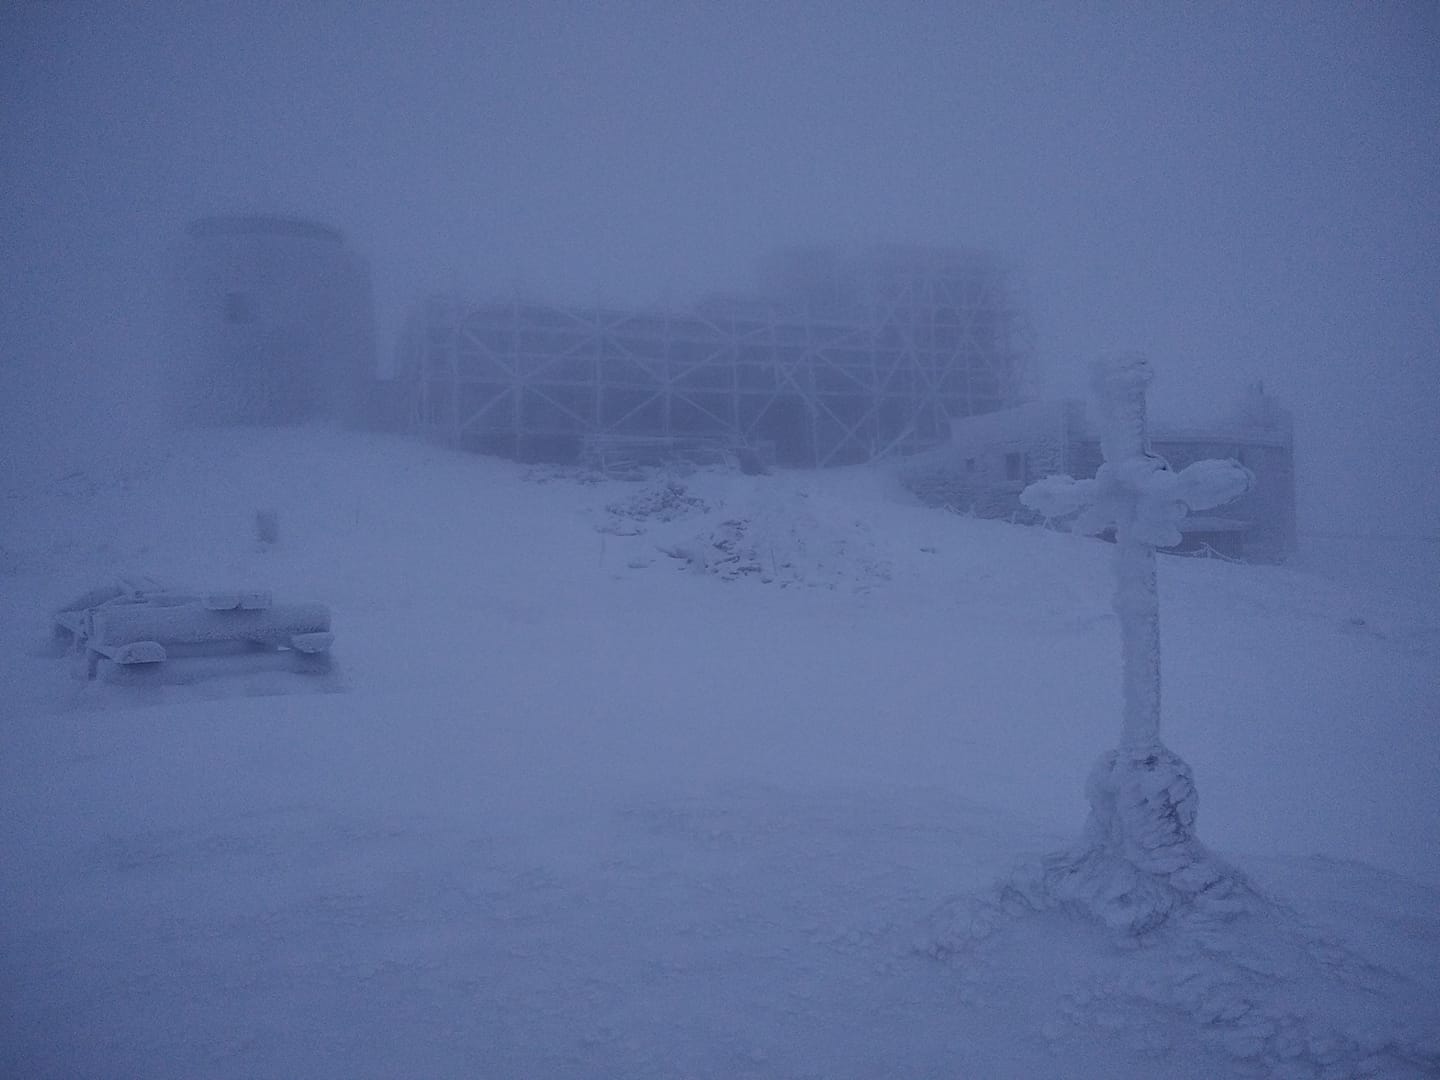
144,623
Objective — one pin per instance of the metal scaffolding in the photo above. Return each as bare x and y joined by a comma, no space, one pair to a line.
840,363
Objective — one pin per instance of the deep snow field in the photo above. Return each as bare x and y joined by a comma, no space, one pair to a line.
691,776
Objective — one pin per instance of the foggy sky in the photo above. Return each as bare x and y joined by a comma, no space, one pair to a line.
1241,191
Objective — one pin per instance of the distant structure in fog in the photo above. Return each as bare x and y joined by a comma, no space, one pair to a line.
991,459
274,323
838,360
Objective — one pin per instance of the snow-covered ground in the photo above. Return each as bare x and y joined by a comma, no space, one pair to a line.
692,776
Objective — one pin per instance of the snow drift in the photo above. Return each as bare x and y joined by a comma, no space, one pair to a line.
585,811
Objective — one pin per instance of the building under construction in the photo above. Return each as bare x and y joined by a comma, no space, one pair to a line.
837,360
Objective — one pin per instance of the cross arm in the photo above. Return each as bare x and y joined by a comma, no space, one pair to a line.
1058,496
1160,497
1207,484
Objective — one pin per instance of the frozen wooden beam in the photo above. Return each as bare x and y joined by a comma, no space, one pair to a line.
116,625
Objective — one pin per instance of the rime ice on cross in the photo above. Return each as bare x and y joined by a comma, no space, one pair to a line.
1142,860
1138,495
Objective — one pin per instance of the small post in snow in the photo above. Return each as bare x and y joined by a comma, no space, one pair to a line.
1142,858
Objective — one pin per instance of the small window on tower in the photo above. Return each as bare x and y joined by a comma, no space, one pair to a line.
1015,467
239,308
969,464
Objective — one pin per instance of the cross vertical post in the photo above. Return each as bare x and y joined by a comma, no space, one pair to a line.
1120,386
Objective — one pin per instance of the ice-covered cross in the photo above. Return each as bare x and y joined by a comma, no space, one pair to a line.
1136,493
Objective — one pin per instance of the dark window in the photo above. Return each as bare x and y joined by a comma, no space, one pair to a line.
239,308
969,464
1015,467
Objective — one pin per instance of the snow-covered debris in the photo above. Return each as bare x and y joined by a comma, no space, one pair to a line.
778,531
662,499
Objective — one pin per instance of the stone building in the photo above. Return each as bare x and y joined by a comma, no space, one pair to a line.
272,322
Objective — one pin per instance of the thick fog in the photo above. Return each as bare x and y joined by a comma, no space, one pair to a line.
648,772
1241,191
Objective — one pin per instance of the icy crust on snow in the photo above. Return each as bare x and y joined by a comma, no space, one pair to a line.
1281,996
1191,935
